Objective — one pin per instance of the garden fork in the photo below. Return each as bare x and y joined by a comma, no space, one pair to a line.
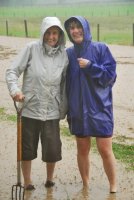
18,190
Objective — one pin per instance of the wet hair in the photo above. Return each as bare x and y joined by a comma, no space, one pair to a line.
73,22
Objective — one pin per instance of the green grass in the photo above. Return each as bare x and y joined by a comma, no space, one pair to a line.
7,117
99,9
115,20
1,111
124,153
65,131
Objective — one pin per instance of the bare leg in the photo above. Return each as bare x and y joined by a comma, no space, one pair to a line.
83,148
26,170
50,170
105,149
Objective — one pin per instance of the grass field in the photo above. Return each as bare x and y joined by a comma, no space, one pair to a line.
115,20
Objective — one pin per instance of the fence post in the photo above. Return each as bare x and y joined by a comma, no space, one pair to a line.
26,30
7,27
98,32
133,34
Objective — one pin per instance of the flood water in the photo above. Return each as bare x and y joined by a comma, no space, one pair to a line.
68,185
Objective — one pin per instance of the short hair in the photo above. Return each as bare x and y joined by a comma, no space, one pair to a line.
73,22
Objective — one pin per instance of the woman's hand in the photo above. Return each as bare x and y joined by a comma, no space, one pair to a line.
83,62
19,97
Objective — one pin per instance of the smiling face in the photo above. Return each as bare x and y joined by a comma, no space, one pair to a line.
51,36
76,32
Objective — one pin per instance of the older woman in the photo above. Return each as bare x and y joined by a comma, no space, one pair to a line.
43,64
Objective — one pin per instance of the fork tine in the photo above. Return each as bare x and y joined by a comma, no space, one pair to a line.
12,191
23,193
18,192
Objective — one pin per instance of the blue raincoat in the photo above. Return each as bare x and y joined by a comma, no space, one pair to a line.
89,89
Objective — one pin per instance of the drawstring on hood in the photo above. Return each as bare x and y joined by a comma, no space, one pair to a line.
50,50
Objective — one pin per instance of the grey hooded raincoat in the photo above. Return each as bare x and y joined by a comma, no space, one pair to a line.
44,70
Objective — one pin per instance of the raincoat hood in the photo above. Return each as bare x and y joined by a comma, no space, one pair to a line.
89,88
49,22
85,26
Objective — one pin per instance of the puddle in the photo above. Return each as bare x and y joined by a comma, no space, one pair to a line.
68,185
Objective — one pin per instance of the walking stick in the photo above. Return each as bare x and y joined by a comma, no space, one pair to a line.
18,190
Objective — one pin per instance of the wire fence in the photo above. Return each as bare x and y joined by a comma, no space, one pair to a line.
100,32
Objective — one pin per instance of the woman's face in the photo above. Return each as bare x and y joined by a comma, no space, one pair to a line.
76,32
51,36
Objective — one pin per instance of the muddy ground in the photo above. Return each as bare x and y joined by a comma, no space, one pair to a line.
68,182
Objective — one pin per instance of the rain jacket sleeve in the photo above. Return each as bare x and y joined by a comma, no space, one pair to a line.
16,69
104,69
63,103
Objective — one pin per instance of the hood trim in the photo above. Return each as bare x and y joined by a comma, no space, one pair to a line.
85,26
48,22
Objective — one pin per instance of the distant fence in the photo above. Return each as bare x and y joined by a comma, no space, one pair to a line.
133,34
26,31
25,28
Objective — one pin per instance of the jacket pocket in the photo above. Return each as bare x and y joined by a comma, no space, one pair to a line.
32,102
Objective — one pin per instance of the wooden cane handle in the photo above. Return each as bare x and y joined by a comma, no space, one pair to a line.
19,138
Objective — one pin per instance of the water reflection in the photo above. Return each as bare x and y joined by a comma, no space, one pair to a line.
49,194
86,194
28,195
111,196
82,194
35,195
